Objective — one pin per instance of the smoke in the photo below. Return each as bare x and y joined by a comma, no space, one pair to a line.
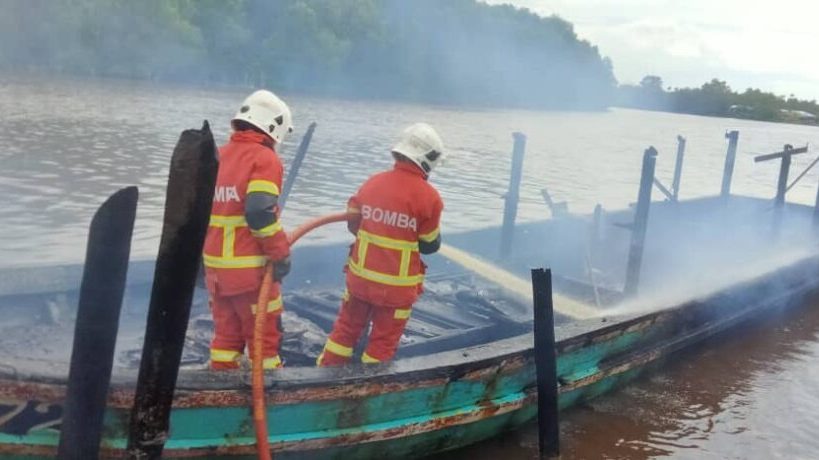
456,52
699,248
674,294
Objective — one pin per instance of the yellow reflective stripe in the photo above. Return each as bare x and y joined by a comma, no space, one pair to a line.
228,224
338,349
367,359
228,240
270,230
365,239
431,236
234,262
320,359
217,220
265,186
272,363
382,278
224,356
389,243
362,251
345,296
403,268
402,313
274,305
353,210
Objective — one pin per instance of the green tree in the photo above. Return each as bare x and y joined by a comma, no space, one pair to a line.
454,51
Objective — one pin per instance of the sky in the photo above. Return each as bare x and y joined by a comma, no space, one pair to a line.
770,45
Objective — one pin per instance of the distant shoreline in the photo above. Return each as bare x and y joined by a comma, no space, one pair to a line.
726,116
32,77
239,88
717,99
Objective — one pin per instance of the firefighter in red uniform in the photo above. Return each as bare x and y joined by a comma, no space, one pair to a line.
244,231
397,215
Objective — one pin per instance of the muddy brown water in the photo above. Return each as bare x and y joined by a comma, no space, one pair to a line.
747,394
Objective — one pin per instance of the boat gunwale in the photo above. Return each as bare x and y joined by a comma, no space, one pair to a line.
429,370
450,364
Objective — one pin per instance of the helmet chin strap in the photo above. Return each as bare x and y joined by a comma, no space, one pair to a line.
399,158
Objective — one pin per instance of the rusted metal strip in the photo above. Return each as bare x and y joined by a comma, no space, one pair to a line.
640,359
122,398
483,411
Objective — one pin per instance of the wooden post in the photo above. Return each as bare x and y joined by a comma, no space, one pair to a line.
188,201
675,184
638,231
730,159
781,188
816,211
548,421
784,170
95,330
510,208
295,165
782,184
597,226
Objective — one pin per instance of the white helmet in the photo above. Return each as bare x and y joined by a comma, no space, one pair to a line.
267,112
421,145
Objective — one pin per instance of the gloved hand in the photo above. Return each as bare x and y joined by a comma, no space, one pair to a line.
281,268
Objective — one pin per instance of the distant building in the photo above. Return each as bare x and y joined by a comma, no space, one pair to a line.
799,115
740,110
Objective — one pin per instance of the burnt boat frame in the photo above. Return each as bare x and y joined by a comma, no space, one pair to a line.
591,361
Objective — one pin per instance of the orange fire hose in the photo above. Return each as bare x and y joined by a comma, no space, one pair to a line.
257,361
311,225
257,366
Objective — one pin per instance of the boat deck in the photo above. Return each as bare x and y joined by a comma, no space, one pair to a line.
693,248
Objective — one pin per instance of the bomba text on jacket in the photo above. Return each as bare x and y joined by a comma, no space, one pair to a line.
387,217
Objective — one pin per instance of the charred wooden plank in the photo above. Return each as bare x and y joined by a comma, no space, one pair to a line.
95,333
187,210
545,364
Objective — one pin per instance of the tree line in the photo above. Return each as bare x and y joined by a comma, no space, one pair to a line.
716,98
460,52
439,51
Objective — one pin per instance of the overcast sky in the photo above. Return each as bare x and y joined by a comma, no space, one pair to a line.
771,45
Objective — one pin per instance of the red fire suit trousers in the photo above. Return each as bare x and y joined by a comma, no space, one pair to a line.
233,320
387,326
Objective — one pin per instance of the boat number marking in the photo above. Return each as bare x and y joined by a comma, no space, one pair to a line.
21,418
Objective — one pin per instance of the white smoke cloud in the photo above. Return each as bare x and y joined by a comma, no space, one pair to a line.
749,44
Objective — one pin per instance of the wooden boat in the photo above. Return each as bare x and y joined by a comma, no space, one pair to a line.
465,372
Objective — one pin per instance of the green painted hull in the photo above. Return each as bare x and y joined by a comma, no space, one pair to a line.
412,407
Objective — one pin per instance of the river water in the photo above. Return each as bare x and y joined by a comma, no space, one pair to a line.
748,395
65,146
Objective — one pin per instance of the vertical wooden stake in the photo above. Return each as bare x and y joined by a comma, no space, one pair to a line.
816,211
638,231
510,208
782,182
546,365
189,196
97,324
730,159
298,159
781,189
675,184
